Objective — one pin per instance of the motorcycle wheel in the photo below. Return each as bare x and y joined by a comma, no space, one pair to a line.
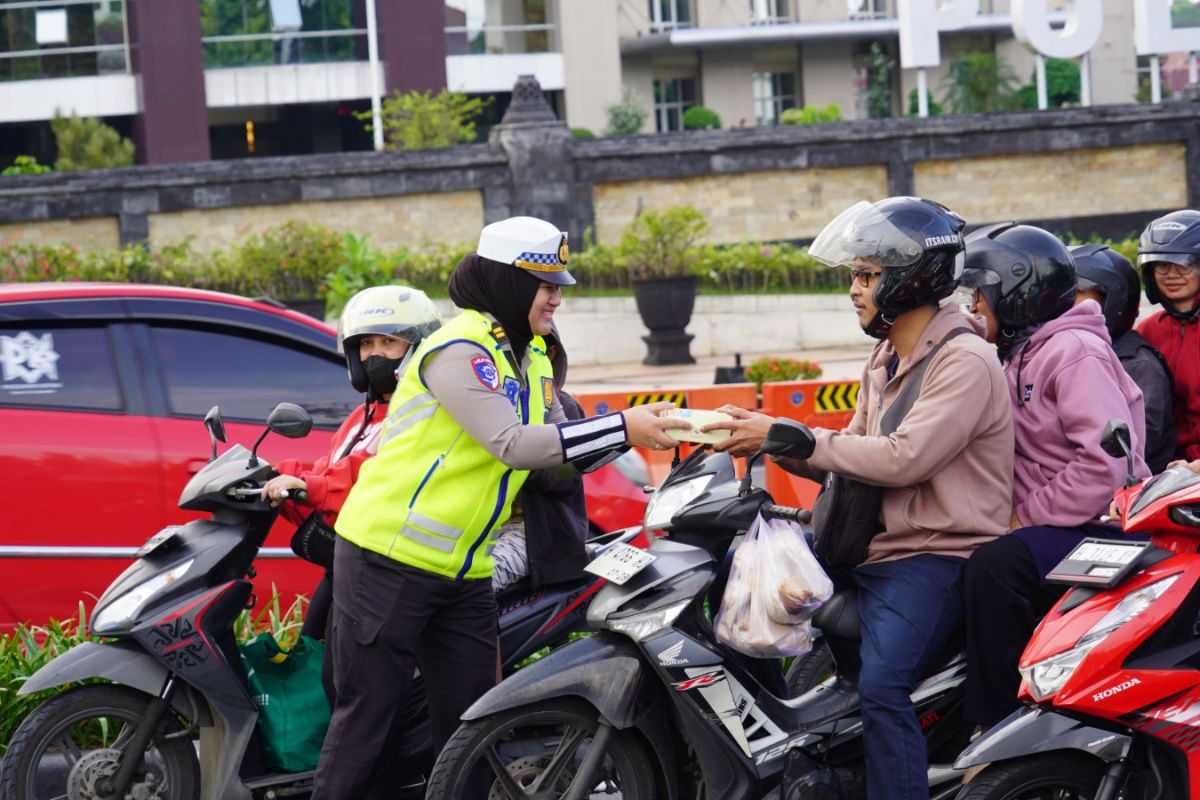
535,751
1056,777
72,742
810,669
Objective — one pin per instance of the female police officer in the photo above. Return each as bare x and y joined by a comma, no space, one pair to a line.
475,410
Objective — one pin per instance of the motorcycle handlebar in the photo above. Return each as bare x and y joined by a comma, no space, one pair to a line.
801,515
299,495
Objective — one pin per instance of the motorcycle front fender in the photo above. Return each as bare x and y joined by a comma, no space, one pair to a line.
604,670
1034,730
121,662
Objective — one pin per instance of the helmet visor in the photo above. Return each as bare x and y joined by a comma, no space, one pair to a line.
861,232
978,278
1183,259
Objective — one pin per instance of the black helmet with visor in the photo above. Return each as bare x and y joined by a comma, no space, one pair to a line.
1170,239
1101,269
917,244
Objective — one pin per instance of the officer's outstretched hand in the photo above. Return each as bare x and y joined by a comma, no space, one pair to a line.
645,428
748,431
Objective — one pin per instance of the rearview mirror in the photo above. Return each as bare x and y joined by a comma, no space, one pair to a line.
290,420
790,439
1115,439
216,429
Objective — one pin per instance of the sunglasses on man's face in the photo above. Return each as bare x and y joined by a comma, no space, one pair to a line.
865,277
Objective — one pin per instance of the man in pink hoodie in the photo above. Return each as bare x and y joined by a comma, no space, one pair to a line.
954,442
1066,384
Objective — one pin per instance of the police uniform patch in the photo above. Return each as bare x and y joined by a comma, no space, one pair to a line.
485,371
547,392
512,390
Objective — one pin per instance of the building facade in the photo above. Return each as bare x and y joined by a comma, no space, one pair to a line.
198,79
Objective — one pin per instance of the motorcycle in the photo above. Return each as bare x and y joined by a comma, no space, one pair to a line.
654,707
1110,676
170,664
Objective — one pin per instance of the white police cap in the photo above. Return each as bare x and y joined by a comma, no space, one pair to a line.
529,243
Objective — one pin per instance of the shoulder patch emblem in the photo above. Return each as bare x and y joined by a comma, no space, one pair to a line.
512,390
547,392
485,371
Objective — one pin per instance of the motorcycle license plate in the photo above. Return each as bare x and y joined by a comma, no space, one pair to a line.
1101,563
620,562
157,540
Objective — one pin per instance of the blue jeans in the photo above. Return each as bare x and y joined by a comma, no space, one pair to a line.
909,610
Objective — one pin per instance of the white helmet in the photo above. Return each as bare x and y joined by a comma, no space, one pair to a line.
395,311
530,243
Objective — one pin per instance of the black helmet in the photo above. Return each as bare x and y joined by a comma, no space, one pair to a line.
1099,267
1026,274
918,243
1174,238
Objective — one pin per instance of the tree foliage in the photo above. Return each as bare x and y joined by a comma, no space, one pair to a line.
26,165
1062,84
627,116
935,108
414,120
879,83
978,82
811,115
87,143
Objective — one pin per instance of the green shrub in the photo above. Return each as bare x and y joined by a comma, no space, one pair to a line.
978,82
811,115
87,143
414,120
1062,85
288,262
627,116
26,165
700,118
659,244
582,133
934,108
772,368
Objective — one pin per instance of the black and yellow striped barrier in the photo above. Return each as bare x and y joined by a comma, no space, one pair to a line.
836,397
678,398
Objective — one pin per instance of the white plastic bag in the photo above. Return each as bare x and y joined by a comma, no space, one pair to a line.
774,588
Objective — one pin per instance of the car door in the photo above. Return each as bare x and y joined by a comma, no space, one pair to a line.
194,366
78,460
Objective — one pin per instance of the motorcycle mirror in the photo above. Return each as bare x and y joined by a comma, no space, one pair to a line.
290,420
286,419
1115,442
789,438
216,429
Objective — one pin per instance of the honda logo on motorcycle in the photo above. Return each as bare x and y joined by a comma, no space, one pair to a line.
670,656
1112,690
707,679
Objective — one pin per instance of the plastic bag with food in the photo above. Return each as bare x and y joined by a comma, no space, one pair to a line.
775,586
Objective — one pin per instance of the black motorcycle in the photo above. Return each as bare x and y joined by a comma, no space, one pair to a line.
171,671
654,707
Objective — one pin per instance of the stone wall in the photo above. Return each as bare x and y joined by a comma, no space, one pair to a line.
1105,170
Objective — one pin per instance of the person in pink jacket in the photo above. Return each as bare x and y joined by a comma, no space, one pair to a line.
954,442
1065,384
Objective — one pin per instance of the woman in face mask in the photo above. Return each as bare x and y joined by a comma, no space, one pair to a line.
379,327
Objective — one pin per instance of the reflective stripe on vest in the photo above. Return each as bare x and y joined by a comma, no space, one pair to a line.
433,497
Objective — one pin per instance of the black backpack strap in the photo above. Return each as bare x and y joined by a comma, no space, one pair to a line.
911,389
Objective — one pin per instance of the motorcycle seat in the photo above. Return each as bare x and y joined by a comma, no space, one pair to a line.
839,617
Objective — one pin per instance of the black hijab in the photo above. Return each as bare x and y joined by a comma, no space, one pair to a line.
504,291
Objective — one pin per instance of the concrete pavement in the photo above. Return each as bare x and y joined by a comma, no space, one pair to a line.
840,363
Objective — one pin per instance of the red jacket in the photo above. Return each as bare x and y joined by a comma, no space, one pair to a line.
333,474
1180,345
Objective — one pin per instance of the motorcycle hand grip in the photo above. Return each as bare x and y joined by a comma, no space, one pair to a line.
299,495
801,515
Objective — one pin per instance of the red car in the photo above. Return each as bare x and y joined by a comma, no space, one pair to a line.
102,389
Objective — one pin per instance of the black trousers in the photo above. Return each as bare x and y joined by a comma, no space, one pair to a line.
1005,599
388,618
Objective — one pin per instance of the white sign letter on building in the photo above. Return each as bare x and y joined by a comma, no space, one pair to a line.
1031,25
920,23
1152,31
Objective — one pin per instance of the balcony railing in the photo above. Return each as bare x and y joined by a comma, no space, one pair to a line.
284,47
464,40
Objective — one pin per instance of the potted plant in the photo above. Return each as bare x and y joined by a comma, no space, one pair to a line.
658,248
779,368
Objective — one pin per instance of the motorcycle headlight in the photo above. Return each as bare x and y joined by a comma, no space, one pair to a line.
1047,677
118,614
643,624
667,501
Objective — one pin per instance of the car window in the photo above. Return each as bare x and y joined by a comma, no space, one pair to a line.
58,367
248,377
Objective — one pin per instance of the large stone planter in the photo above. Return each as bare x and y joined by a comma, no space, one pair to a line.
665,306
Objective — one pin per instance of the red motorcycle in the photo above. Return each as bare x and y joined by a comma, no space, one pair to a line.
1111,677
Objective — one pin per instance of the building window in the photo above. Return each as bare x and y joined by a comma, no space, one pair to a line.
668,14
39,40
774,93
242,33
672,97
767,12
867,9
